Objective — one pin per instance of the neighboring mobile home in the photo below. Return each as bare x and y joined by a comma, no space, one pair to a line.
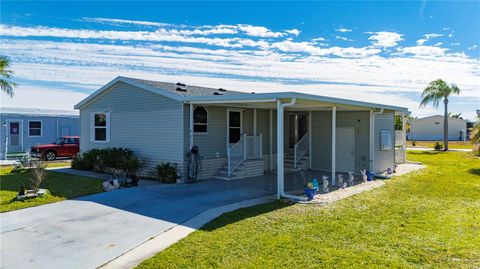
25,127
239,134
431,129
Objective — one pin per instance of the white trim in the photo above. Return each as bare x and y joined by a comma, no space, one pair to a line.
270,147
20,132
228,123
310,138
193,120
41,128
190,127
334,138
254,122
92,127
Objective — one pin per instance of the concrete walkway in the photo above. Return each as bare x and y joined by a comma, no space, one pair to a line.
93,230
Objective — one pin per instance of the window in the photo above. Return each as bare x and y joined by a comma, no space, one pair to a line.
386,142
34,128
200,120
100,127
70,141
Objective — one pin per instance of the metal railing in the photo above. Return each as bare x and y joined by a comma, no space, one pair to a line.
300,149
248,147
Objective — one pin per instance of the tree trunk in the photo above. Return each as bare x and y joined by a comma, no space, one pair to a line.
445,125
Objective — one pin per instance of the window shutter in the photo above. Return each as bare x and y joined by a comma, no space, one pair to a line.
107,114
92,128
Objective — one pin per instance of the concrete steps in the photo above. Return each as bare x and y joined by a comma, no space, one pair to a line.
249,168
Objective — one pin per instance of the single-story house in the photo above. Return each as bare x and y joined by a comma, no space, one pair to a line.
239,134
25,127
431,129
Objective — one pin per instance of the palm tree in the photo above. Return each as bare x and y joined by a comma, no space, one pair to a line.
434,93
475,138
5,75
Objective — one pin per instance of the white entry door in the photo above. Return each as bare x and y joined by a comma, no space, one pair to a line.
345,149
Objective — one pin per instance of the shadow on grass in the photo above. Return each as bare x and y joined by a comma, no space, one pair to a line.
243,213
475,171
431,152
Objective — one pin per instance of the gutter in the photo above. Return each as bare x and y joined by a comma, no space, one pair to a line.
372,137
280,148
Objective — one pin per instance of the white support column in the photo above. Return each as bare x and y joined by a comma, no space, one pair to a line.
270,147
310,137
280,170
254,122
191,127
334,138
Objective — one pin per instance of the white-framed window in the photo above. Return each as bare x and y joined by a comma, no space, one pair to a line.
35,128
386,142
100,127
200,120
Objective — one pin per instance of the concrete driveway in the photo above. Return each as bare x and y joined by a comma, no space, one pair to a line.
88,232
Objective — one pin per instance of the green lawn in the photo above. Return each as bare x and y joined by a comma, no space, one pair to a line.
61,187
426,219
451,144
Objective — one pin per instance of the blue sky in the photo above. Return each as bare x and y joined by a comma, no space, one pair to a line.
373,51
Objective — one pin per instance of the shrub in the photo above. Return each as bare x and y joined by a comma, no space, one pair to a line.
166,172
438,146
39,174
108,160
414,143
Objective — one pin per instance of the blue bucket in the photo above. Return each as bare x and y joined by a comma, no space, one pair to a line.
310,193
370,176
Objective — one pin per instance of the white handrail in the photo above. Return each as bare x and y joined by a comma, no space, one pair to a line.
300,149
248,147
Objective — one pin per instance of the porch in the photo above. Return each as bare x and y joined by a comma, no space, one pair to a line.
285,135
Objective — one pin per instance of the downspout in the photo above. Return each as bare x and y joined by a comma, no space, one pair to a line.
280,151
372,137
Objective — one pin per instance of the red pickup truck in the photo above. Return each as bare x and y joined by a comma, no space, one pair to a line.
66,146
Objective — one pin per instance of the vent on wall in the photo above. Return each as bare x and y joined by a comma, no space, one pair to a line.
222,89
217,93
180,84
181,90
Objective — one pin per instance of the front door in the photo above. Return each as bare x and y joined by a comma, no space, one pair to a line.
234,125
297,128
345,149
14,137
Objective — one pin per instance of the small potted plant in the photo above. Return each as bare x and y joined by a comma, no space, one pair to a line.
311,189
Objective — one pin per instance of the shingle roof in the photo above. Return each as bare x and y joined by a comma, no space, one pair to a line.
190,89
38,112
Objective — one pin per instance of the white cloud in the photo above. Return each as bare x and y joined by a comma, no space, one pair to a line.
430,36
472,47
258,31
121,21
385,39
422,41
424,51
455,44
294,32
438,44
343,30
343,38
164,35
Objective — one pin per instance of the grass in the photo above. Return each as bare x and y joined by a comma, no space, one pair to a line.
451,144
61,187
425,219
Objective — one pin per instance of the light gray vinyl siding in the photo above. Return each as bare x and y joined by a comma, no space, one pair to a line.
213,144
322,137
147,123
50,129
384,159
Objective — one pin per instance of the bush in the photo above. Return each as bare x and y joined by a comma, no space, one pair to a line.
414,143
438,146
166,173
107,160
39,174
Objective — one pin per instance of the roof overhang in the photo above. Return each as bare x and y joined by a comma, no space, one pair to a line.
304,101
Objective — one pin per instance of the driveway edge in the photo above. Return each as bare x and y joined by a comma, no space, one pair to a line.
162,241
